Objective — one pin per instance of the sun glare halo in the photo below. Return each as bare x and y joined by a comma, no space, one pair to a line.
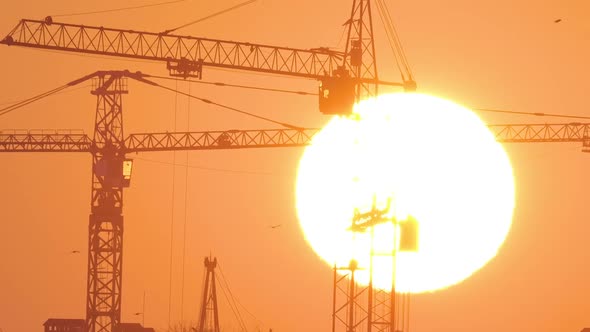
436,161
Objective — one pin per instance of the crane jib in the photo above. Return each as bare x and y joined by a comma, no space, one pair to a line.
73,141
315,63
185,55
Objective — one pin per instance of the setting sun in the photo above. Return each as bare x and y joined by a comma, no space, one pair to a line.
435,161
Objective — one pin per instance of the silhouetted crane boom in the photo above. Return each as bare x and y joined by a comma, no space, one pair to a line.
47,141
185,55
216,140
44,141
537,133
11,141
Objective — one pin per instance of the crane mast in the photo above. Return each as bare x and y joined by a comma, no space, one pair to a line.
345,77
360,47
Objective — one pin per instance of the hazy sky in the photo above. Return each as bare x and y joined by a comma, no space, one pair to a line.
489,54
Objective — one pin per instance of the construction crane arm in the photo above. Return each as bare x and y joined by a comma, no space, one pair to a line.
75,141
48,141
44,141
219,140
184,55
539,133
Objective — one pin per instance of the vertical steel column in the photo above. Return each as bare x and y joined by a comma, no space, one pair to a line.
360,60
334,297
349,309
351,298
360,48
105,238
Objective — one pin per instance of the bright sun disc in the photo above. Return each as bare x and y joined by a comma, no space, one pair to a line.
436,161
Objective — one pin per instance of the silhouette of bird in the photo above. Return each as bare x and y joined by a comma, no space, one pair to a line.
557,20
75,251
275,226
138,313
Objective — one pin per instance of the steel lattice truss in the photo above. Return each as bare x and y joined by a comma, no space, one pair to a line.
164,47
364,45
185,56
46,141
211,140
531,133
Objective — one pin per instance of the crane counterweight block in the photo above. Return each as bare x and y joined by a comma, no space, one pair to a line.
337,93
409,235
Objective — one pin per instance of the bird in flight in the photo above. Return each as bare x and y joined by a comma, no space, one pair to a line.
75,251
557,20
275,226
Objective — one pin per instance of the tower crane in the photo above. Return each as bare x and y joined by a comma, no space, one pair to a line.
345,77
111,173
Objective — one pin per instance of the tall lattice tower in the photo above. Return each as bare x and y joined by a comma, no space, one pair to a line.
367,308
209,316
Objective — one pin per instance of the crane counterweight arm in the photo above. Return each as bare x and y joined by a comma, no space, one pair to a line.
44,141
183,54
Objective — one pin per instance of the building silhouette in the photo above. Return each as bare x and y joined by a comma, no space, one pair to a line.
79,325
64,325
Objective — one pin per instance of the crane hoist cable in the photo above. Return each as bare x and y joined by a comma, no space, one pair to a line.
172,215
251,87
33,99
119,9
238,301
165,32
61,89
400,46
232,299
233,109
394,41
214,169
12,102
231,304
403,315
533,113
390,42
407,319
188,129
28,101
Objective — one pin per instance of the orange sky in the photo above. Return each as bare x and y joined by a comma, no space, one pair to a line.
489,54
